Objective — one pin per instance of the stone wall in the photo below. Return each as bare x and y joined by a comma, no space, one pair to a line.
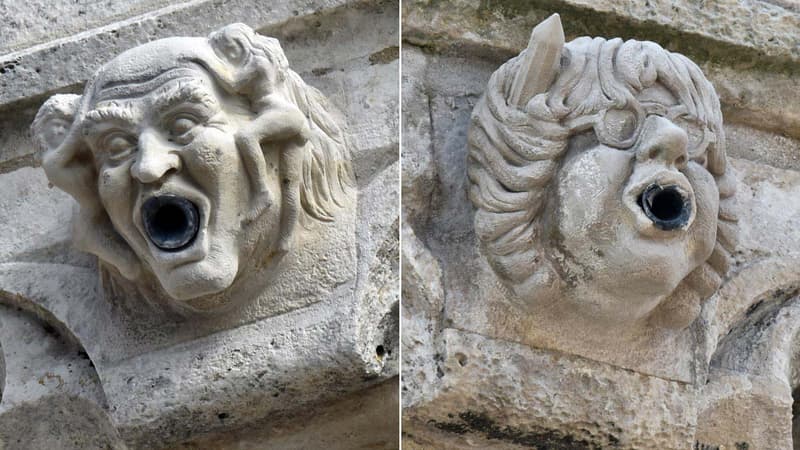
303,379
317,365
467,388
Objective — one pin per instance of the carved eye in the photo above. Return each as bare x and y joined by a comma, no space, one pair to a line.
620,125
181,124
119,145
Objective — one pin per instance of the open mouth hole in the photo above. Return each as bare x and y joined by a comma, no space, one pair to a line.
171,222
666,206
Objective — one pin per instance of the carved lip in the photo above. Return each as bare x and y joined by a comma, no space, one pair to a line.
179,246
662,202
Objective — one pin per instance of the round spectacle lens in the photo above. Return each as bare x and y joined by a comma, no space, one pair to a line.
619,127
695,133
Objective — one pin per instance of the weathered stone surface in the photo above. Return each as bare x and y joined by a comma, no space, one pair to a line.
368,420
761,93
520,395
36,22
26,72
726,29
51,396
164,381
35,213
471,385
423,300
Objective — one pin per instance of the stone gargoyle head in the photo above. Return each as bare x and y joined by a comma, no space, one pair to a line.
193,160
599,175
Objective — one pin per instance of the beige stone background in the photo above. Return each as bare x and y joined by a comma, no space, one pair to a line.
52,395
465,390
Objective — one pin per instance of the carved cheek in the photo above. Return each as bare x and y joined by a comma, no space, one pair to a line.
208,157
589,211
117,192
114,183
589,193
704,229
212,162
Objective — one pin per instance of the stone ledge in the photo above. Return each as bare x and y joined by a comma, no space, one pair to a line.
755,89
759,34
64,63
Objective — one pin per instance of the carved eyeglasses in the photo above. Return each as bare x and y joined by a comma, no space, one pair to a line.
621,128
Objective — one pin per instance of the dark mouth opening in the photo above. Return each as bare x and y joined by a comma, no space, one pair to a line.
665,206
171,222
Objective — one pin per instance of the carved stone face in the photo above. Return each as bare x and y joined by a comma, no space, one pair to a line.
193,161
598,172
635,211
171,180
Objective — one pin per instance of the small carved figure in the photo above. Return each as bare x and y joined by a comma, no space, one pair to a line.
599,175
192,160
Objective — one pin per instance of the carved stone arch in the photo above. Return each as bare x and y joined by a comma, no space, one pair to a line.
52,394
755,361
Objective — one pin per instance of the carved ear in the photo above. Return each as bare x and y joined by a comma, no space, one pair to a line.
540,62
69,165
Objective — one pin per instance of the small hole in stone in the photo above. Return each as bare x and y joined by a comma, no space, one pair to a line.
462,359
380,351
667,204
222,416
170,220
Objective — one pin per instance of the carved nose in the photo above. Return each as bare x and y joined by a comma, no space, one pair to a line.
663,141
154,159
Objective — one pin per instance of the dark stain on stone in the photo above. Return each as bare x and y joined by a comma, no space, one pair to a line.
701,446
385,56
742,446
480,423
159,382
320,71
753,308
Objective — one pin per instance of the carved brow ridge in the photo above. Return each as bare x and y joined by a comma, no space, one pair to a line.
183,91
121,111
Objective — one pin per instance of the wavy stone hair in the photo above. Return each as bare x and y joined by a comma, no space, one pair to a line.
514,155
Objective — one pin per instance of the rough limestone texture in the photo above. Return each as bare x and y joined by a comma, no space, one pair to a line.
479,371
104,345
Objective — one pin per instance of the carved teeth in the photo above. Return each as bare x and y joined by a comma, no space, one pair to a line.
170,222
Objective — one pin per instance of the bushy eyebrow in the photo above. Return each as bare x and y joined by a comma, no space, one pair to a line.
120,113
190,91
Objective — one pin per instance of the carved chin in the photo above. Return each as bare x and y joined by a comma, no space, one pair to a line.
189,282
